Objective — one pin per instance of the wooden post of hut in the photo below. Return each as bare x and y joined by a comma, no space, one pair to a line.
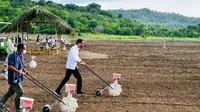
22,30
16,41
27,34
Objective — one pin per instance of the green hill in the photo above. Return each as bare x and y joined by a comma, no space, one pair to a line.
83,19
147,16
91,19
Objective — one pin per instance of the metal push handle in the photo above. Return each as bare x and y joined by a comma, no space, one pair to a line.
2,108
43,87
98,76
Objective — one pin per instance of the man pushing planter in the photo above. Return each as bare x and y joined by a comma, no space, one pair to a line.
15,76
71,68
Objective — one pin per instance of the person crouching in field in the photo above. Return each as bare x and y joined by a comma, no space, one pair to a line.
71,67
15,76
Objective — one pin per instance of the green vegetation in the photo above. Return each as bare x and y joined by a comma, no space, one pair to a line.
90,36
91,19
150,17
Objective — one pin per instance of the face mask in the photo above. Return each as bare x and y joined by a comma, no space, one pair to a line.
24,52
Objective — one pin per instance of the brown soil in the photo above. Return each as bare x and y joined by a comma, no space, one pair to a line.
153,79
91,55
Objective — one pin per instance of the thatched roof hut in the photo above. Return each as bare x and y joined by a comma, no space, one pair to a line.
37,14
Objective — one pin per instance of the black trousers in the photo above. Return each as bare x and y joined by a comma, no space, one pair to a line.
76,74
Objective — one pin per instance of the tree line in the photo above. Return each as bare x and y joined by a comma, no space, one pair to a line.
90,19
151,17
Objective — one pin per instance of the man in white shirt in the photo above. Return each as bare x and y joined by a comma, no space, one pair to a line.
71,67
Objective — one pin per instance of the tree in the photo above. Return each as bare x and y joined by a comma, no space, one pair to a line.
120,16
42,2
106,13
5,18
177,33
194,34
99,29
94,6
126,31
64,14
50,3
83,20
72,23
140,29
92,23
108,31
71,7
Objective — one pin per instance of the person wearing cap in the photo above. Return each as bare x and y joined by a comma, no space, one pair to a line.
15,76
71,67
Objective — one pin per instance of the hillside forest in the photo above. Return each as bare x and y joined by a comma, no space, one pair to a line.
92,19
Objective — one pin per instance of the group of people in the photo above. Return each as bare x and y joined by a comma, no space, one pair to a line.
16,71
47,41
16,40
52,42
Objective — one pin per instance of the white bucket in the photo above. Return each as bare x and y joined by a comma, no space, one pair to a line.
26,103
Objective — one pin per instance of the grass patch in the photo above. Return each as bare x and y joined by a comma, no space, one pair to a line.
89,36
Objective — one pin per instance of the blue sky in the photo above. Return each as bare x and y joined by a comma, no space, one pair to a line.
189,8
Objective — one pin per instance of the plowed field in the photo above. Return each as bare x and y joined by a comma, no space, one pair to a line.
154,79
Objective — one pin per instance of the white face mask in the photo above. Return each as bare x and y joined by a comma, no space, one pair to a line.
24,52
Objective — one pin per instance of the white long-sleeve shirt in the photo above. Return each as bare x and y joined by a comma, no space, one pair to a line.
73,58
